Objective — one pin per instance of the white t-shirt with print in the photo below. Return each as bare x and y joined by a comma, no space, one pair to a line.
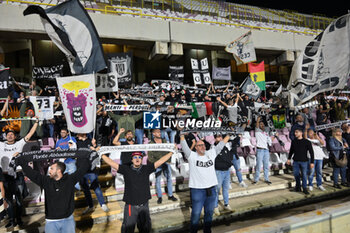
7,151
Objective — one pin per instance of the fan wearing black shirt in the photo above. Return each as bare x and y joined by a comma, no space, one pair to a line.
299,148
90,179
137,190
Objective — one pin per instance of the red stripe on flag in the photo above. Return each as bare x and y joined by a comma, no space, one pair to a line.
254,68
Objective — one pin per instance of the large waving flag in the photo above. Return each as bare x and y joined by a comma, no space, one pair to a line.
323,65
70,27
257,74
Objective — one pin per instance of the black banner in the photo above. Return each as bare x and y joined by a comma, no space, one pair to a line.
4,81
121,64
176,73
49,72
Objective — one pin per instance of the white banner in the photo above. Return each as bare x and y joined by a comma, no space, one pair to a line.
221,73
197,78
106,82
78,98
43,106
116,107
139,147
206,78
242,49
323,65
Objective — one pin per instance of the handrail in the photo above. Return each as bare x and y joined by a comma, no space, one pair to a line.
140,13
123,12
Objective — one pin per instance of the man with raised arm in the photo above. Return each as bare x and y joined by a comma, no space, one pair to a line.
13,179
137,190
202,181
59,193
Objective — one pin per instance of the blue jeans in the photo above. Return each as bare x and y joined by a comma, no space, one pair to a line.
262,159
300,167
224,182
71,168
165,135
318,169
139,135
200,198
339,170
166,169
237,165
90,181
66,225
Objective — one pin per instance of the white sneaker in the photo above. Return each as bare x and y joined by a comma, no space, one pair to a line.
105,208
88,210
243,185
227,207
216,211
321,188
311,188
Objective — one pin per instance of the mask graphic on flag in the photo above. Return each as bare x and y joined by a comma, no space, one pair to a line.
242,49
78,98
71,29
323,65
257,74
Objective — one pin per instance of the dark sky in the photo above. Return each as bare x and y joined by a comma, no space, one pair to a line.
326,7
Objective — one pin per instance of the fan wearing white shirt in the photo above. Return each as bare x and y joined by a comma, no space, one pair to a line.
263,141
12,178
202,180
316,142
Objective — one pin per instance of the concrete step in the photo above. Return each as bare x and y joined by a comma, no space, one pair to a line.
111,194
170,216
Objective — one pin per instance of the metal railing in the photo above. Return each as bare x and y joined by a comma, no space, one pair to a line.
235,15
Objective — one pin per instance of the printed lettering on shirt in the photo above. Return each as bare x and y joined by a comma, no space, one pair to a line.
208,163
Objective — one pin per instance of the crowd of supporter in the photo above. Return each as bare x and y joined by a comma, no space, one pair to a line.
267,117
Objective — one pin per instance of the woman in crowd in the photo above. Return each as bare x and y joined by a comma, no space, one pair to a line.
338,149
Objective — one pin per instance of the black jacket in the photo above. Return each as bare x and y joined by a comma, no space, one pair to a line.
59,195
223,160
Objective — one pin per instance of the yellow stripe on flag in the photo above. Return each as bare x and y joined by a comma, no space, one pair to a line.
258,76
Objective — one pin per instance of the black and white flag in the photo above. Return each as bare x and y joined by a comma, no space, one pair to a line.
121,65
250,88
221,73
242,49
324,63
176,73
47,72
70,27
4,81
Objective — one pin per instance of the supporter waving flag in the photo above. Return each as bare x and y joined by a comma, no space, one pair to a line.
70,27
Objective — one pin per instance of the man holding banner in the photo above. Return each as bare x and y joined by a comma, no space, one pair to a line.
13,179
137,190
59,191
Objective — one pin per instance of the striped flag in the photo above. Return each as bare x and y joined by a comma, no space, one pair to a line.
257,74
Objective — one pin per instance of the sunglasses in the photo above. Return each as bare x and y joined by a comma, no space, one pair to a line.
137,157
200,145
